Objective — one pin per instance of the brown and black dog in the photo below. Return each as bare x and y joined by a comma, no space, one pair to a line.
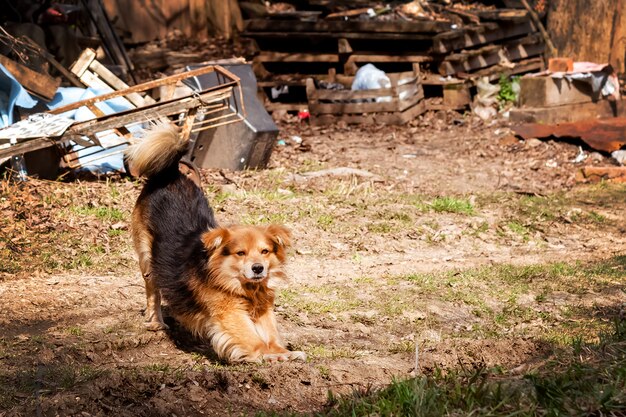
217,281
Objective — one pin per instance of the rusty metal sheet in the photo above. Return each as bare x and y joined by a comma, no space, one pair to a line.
606,135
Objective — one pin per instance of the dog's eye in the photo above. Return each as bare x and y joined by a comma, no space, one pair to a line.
265,252
241,253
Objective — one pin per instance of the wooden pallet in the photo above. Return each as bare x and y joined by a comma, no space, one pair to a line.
473,60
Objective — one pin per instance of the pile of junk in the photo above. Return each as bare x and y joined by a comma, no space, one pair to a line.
70,103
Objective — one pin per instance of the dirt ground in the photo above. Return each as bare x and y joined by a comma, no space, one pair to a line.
453,237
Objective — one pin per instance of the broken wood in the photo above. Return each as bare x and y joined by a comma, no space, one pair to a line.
56,64
218,103
93,74
567,113
41,85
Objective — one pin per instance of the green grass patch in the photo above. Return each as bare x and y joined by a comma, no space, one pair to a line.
585,379
101,213
449,205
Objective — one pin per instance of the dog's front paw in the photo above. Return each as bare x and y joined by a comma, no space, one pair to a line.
285,356
155,326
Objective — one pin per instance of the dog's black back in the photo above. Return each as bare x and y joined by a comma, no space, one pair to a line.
177,214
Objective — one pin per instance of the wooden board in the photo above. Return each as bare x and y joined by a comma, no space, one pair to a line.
396,118
265,57
271,35
494,72
567,113
41,85
470,38
397,26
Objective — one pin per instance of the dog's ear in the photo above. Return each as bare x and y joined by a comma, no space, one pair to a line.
213,239
279,234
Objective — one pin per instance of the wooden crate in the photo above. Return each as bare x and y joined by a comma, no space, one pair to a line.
403,101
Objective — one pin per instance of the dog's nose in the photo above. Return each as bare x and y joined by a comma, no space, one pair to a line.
257,268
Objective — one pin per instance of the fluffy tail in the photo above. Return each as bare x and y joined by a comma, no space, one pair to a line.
162,147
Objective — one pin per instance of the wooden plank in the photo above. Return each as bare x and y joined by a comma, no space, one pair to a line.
56,64
494,72
397,26
395,118
271,35
386,58
111,42
27,146
350,67
444,43
295,57
546,91
117,84
83,61
513,15
150,112
41,85
567,113
142,87
394,105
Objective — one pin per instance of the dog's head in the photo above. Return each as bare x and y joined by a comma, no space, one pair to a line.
241,255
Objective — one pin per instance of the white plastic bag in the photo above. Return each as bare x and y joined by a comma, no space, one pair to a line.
368,77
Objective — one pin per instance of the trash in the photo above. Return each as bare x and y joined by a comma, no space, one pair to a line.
486,99
620,156
551,163
368,77
296,139
18,165
35,126
582,155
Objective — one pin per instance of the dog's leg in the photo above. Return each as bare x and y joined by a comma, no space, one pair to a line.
275,351
154,316
236,338
143,246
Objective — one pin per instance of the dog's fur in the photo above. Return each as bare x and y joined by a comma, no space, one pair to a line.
217,282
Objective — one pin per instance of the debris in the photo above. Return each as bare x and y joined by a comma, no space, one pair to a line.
485,99
582,155
560,65
582,93
41,85
619,156
597,174
90,132
606,135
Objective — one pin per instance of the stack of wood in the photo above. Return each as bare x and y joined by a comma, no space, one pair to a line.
452,45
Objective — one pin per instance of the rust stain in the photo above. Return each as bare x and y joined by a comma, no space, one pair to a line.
606,135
